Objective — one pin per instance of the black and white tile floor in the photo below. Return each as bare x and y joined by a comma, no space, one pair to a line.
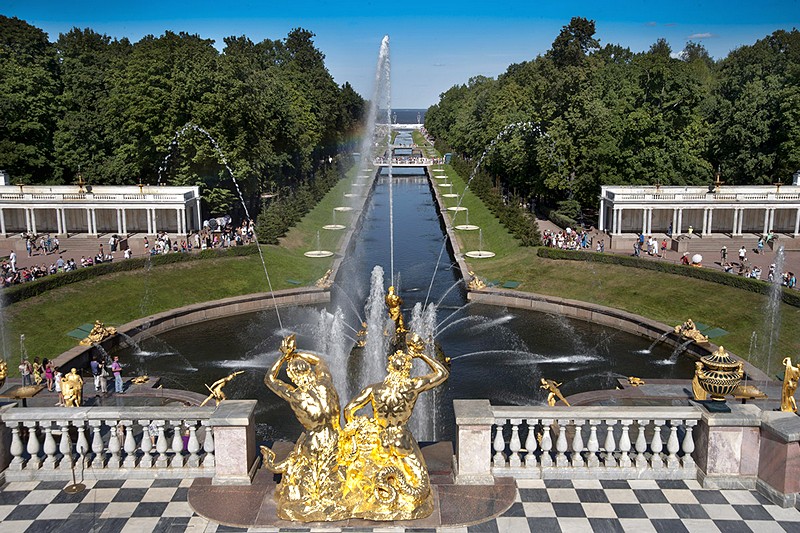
541,506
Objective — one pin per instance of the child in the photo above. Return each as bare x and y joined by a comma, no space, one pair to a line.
58,376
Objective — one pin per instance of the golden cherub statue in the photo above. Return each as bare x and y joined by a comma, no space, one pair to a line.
216,388
688,330
393,302
790,379
553,392
72,389
325,281
99,333
475,283
387,478
633,380
698,392
311,486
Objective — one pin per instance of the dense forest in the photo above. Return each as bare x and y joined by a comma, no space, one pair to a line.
110,109
611,116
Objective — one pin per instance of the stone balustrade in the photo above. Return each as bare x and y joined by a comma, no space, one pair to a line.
132,442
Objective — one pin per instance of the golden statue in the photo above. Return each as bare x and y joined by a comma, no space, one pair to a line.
216,388
99,333
393,302
475,283
387,478
551,386
699,392
325,281
72,389
311,486
3,372
139,380
361,336
688,330
633,380
790,378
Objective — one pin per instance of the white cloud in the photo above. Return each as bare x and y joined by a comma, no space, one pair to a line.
706,35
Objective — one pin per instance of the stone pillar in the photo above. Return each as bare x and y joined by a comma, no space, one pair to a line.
89,221
124,222
197,213
735,222
234,442
674,219
677,229
766,221
727,448
64,222
94,222
650,221
710,222
33,220
149,222
796,223
178,221
705,221
771,225
780,458
58,222
474,421
155,223
3,221
119,221
741,221
602,220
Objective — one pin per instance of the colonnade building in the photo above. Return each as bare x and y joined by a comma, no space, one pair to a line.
94,210
730,211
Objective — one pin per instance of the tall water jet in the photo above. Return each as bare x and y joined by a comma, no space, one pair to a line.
772,312
377,343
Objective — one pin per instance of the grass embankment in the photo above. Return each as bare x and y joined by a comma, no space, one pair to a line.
663,297
122,297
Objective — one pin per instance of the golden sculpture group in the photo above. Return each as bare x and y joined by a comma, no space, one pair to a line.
98,334
372,468
791,375
72,389
688,330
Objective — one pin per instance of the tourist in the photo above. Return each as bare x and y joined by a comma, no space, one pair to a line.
685,258
57,377
664,248
12,258
771,273
95,367
146,245
25,371
103,377
116,369
127,254
48,375
723,254
760,246
742,254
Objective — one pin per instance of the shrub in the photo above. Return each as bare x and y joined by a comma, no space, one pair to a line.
715,276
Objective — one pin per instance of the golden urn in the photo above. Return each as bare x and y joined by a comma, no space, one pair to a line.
720,374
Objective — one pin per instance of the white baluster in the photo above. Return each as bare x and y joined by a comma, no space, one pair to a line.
577,445
208,443
531,444
177,444
641,445
625,444
673,446
593,445
50,447
687,446
610,446
147,445
35,462
547,443
128,444
194,447
499,445
114,445
65,447
97,445
656,445
514,444
17,449
82,446
561,443
161,446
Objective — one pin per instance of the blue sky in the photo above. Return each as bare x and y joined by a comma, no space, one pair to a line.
433,46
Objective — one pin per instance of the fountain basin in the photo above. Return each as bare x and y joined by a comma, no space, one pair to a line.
467,227
333,226
457,208
480,254
318,253
450,195
343,208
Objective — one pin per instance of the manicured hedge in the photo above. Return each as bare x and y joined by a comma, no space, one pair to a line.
34,288
789,296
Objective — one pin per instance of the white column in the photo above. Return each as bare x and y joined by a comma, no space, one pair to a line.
771,220
710,220
601,222
3,221
183,221
149,222
178,221
677,230
644,221
155,224
705,221
124,222
88,221
650,221
796,223
119,221
615,225
736,221
766,221
33,220
94,221
197,213
674,219
58,221
64,221
741,220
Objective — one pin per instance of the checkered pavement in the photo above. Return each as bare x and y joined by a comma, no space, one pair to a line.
541,506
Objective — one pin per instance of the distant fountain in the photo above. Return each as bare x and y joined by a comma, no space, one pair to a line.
333,225
480,253
318,251
772,313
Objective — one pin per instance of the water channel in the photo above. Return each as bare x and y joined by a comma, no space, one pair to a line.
498,354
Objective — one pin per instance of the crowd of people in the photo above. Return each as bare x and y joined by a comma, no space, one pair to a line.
220,237
45,372
569,239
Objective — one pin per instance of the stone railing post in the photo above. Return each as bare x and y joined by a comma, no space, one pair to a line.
727,446
5,439
780,458
234,430
474,421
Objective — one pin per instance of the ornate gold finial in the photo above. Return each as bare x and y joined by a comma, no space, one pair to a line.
141,186
216,388
633,380
98,334
325,282
688,330
553,392
790,378
717,181
72,389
